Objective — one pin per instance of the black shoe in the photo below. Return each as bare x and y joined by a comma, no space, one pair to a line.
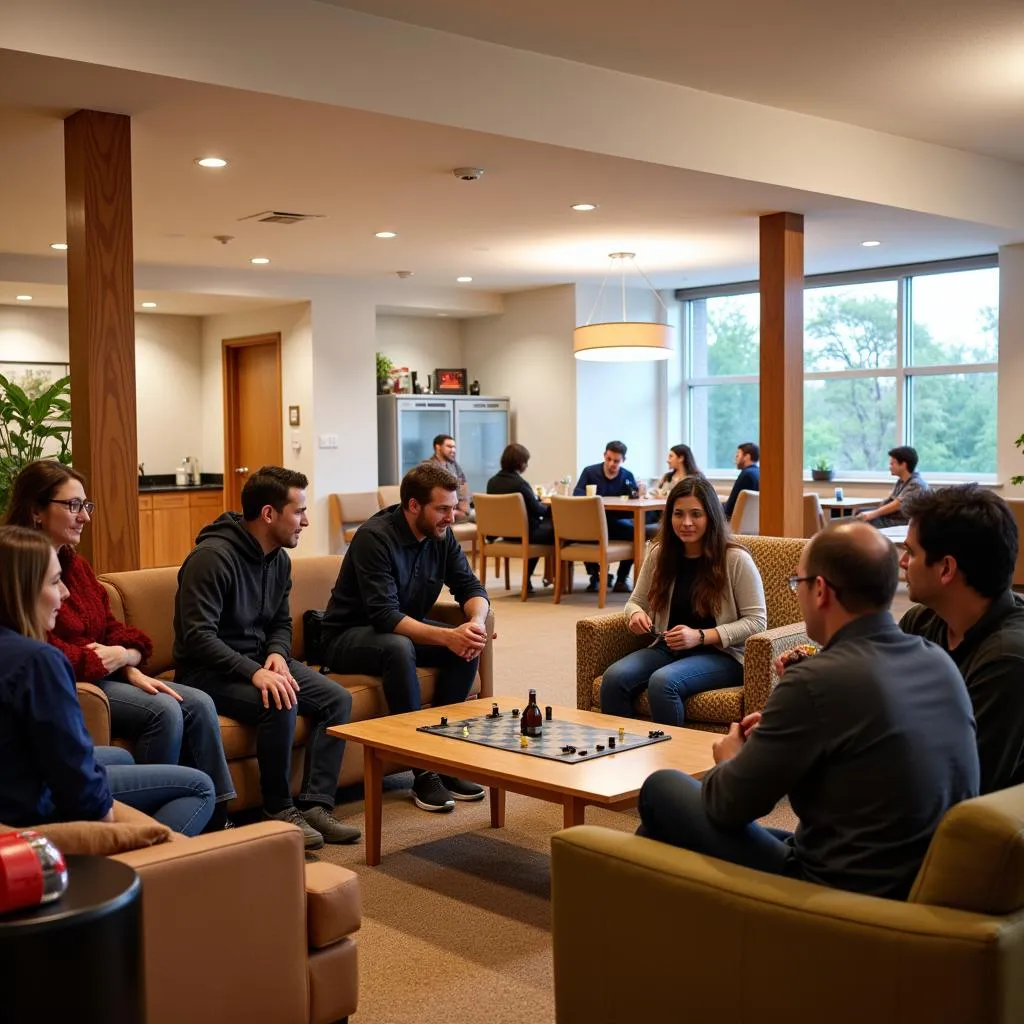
594,585
462,790
529,587
622,587
429,794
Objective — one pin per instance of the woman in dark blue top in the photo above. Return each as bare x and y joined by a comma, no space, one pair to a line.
49,770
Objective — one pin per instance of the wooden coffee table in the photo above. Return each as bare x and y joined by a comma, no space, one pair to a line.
612,781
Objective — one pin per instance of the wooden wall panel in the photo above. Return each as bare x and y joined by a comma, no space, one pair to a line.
101,329
782,374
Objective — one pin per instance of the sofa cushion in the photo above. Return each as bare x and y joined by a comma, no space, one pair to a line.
99,838
144,598
716,706
333,906
976,858
313,579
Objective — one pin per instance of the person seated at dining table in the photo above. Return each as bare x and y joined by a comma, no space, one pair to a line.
909,484
49,769
748,458
166,724
509,480
681,464
699,597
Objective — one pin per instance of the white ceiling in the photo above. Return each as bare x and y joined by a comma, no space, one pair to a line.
944,71
55,296
367,172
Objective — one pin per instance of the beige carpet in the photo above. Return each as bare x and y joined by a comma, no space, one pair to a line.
456,920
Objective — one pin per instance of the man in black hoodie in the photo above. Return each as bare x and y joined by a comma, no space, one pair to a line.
233,639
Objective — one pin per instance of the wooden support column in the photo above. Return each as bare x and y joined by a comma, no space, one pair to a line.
782,374
101,330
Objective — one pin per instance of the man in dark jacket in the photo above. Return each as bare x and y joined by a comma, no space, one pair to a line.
959,557
514,460
376,621
748,455
233,639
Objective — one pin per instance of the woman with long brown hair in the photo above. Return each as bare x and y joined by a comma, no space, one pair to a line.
681,464
699,597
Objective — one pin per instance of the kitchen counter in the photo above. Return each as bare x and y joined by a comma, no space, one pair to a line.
164,482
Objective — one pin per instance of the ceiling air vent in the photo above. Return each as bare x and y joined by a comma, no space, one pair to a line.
282,217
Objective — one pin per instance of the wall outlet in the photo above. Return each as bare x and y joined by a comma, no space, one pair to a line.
328,440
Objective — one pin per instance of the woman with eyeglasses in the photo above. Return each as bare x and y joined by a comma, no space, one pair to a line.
698,598
49,769
167,725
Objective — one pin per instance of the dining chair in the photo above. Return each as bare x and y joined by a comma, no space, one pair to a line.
388,495
746,513
814,517
503,518
581,535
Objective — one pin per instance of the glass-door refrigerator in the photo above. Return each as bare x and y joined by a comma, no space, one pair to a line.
406,428
481,434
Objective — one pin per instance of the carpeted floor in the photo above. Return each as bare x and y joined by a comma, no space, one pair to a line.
456,920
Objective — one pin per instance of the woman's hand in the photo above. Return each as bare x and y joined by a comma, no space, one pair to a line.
682,638
115,657
640,623
150,685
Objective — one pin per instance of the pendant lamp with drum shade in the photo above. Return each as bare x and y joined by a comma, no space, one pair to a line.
623,341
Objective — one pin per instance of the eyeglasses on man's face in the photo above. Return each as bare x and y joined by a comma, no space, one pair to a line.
793,582
74,505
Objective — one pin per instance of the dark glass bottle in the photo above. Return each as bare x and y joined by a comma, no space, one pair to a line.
532,722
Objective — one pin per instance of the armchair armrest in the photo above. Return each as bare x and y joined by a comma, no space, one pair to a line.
452,614
96,711
733,942
759,676
599,642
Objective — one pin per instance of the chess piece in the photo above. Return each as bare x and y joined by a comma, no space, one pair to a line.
495,713
547,713
523,742
444,721
611,742
622,732
465,730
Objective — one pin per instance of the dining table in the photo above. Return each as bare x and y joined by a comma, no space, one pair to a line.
848,505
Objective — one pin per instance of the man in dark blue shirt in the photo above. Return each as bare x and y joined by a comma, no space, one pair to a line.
376,621
748,455
611,481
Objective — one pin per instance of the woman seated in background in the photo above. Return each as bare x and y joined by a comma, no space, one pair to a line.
49,770
699,597
681,464
167,725
514,460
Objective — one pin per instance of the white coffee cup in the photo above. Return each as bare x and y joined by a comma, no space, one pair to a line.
591,490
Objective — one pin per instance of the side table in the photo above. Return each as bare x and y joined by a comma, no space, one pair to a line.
78,958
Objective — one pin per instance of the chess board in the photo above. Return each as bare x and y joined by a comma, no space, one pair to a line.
504,733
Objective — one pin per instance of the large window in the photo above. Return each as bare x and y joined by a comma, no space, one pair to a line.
906,358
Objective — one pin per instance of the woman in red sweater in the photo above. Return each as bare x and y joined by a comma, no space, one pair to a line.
168,725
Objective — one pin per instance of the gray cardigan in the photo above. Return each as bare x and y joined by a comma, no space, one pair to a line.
741,614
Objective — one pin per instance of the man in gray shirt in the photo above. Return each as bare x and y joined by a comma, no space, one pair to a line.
909,483
872,739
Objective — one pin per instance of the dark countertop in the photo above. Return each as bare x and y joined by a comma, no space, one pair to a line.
163,488
152,483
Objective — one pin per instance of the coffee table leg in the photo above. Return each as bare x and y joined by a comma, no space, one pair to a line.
497,807
572,811
372,795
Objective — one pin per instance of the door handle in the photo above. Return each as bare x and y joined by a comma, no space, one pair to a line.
241,469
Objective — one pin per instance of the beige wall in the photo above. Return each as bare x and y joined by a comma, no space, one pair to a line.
420,343
167,374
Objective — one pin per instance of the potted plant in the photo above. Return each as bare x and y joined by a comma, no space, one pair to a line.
1018,480
384,368
821,470
34,424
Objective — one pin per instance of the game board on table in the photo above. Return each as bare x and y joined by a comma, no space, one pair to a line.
561,740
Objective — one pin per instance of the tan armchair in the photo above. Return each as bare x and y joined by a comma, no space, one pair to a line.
746,513
601,641
347,513
503,516
715,942
581,535
388,495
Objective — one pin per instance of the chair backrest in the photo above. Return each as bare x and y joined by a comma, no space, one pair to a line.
388,495
975,861
1017,508
776,559
746,513
814,518
348,510
144,598
581,519
501,515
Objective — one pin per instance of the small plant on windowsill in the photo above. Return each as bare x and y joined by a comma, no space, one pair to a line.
1018,480
821,470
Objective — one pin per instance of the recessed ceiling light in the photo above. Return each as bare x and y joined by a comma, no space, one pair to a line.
386,234
259,259
211,161
869,245
442,314
149,305
584,207
23,298
463,280
60,246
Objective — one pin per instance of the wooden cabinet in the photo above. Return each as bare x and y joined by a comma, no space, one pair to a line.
169,522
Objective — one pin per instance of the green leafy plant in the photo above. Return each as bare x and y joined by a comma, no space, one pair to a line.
822,465
384,366
1017,480
32,426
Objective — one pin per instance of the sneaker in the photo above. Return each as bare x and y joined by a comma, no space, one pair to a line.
594,585
462,790
329,827
310,837
622,587
429,794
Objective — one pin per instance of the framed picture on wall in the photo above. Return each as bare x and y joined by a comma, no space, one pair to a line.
33,378
450,382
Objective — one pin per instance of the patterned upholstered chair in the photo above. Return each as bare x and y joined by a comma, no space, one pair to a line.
603,640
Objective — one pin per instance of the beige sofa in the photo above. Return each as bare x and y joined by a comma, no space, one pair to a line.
600,641
706,940
145,598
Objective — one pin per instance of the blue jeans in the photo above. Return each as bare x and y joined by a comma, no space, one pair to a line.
166,732
180,798
670,677
672,811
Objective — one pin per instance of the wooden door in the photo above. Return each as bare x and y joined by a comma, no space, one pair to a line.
253,430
